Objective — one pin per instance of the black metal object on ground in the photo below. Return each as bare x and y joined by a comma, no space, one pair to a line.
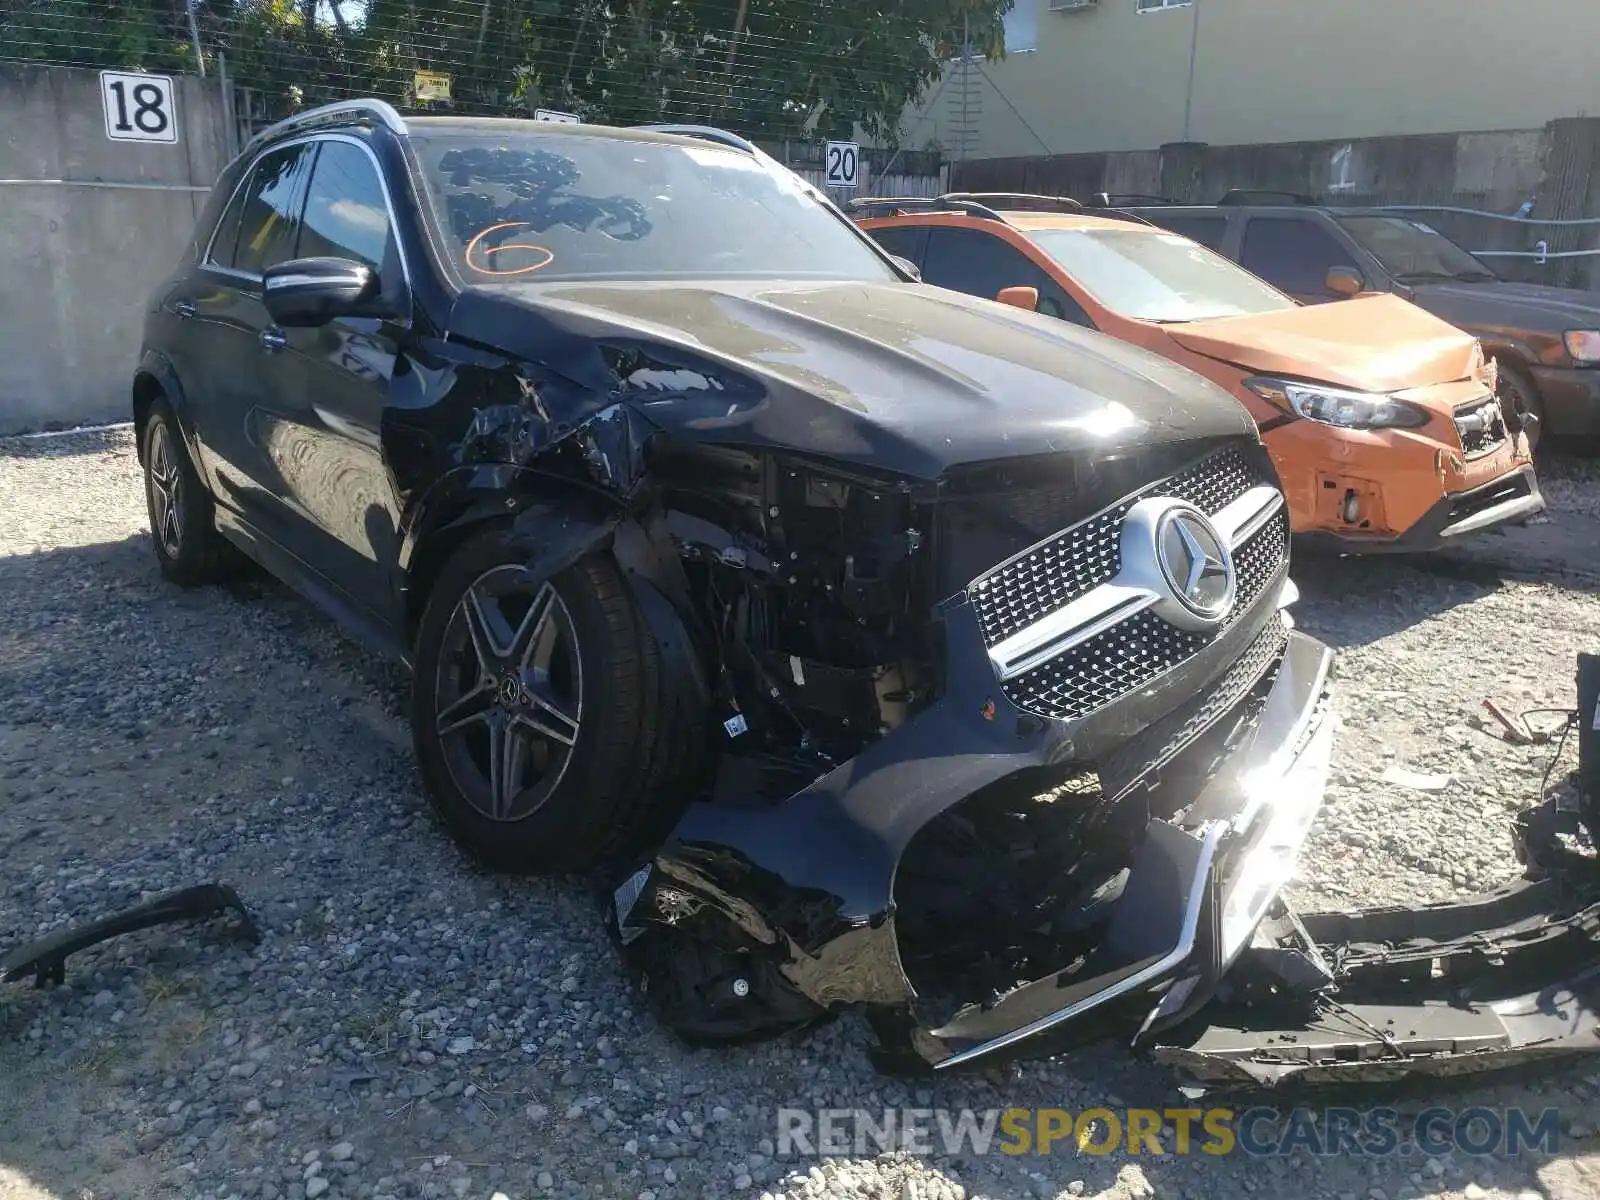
46,959
1496,982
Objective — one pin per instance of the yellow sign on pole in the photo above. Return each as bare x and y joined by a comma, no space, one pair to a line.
431,85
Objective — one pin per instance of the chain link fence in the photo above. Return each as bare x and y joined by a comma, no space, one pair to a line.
789,74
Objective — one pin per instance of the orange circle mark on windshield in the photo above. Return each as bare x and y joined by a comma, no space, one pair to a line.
483,268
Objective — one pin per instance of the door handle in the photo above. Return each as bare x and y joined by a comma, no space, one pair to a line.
184,308
272,340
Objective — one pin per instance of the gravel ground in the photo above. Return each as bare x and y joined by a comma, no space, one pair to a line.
410,1027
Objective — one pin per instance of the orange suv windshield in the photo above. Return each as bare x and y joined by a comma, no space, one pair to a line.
1149,276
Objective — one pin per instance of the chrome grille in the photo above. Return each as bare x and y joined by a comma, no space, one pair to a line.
1137,651
1058,570
1211,484
1168,738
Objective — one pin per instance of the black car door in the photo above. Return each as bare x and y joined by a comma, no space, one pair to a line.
980,264
323,389
228,320
1294,254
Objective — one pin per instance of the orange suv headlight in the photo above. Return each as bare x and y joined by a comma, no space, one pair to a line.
1336,406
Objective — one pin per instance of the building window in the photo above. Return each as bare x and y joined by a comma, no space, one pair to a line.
1022,26
1145,6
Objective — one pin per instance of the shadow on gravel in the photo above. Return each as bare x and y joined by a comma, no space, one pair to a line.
71,444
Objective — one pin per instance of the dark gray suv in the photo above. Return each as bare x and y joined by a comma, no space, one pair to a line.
1546,340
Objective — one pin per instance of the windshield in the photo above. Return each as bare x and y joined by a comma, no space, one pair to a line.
1410,250
525,206
1151,275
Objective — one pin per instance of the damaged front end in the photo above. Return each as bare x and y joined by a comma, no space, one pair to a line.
1063,805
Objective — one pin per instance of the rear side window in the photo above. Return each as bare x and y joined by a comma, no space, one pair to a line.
269,221
1294,254
905,240
1208,231
980,264
345,212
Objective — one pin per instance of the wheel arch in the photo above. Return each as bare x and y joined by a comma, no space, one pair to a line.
559,521
153,380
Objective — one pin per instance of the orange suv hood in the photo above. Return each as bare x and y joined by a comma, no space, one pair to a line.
1374,343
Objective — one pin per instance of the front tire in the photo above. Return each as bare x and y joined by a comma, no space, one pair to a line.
188,547
532,709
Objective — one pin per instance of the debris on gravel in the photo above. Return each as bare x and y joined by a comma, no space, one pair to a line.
412,1027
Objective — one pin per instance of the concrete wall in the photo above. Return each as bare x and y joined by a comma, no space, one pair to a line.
78,263
1111,78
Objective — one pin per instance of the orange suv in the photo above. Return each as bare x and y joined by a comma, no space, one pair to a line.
1381,419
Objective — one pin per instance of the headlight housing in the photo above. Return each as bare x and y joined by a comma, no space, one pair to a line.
1584,346
1336,406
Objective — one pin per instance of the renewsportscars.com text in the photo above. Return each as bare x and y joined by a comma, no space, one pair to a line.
1257,1132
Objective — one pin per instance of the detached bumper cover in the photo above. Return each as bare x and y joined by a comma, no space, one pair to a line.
1507,981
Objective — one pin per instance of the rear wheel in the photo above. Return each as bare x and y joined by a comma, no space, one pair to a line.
189,550
1519,398
536,710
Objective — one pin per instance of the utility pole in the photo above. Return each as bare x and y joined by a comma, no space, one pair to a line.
194,32
1188,100
966,66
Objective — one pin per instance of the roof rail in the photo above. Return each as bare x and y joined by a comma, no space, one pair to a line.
866,205
708,133
1237,197
340,112
989,197
1123,199
1122,214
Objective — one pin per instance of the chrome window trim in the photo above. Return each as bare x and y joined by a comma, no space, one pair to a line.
207,263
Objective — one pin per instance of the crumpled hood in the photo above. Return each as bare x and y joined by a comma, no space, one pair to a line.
1502,307
1369,343
900,377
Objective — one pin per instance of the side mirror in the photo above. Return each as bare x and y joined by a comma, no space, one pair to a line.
313,291
909,267
1020,297
1343,281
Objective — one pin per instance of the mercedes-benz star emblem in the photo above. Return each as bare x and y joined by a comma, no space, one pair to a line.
1196,563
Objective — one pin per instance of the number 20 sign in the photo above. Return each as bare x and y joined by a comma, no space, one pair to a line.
139,108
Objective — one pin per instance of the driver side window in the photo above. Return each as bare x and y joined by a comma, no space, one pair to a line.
980,264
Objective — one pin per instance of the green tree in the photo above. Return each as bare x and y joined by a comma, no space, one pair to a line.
770,68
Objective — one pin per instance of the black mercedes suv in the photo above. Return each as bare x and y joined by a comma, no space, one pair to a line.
730,559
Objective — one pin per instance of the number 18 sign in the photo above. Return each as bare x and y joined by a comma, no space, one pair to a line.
139,108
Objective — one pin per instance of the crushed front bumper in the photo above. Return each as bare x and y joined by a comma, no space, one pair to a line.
1197,889
1507,500
749,920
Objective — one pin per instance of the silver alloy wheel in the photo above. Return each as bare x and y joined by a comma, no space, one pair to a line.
166,492
508,693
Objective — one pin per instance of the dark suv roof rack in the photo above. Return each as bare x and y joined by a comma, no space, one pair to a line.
343,112
883,206
1237,197
1011,199
1123,199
